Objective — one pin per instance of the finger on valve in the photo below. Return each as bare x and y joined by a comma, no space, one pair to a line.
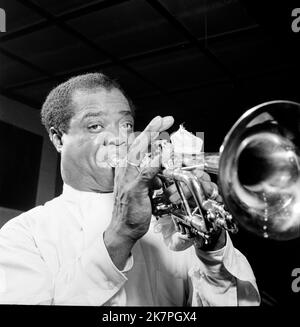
172,193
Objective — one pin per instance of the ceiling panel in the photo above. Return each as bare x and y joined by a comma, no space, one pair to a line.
58,7
183,69
209,17
53,50
37,93
129,28
132,84
12,72
273,86
250,55
17,16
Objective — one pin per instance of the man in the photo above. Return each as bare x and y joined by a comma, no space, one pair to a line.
96,244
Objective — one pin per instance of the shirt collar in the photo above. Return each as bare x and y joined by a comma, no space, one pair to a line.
73,194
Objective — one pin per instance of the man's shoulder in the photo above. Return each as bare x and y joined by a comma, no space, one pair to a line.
36,214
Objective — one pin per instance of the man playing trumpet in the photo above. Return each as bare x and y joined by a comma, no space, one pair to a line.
98,243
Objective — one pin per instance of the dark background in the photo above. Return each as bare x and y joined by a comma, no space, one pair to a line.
204,62
19,167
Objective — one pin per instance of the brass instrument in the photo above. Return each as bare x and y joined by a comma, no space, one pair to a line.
258,176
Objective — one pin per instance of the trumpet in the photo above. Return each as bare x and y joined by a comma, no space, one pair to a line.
258,177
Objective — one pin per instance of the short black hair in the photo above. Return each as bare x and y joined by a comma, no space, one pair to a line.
57,112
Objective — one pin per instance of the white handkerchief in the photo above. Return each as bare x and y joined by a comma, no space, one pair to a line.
185,142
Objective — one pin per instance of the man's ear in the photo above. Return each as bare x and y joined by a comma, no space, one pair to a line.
56,138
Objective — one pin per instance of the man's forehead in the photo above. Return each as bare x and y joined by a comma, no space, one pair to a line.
100,99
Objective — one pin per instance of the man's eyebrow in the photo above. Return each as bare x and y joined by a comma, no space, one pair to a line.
100,114
126,113
92,114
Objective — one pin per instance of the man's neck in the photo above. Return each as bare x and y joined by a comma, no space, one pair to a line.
84,185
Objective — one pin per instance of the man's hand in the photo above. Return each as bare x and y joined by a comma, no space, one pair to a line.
132,208
181,238
209,188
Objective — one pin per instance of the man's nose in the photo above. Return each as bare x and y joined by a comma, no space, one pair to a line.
113,137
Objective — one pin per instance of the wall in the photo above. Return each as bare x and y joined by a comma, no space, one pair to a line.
25,117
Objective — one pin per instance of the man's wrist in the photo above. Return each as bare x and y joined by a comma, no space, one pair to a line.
216,242
118,247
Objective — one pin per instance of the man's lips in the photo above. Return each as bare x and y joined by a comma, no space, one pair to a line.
111,155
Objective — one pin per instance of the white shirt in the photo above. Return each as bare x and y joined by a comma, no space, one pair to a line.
55,254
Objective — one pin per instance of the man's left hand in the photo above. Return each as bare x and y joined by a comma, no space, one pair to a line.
181,238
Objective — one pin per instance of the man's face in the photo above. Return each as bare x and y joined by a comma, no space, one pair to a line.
98,131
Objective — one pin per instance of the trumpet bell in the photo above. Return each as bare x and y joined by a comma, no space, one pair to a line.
259,174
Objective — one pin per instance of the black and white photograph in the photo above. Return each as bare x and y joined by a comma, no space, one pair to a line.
149,156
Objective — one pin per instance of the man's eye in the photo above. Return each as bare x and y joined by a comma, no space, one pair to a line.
95,128
127,126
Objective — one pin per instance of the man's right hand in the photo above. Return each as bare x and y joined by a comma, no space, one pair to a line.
132,207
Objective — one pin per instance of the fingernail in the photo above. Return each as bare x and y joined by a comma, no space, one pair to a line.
156,122
168,120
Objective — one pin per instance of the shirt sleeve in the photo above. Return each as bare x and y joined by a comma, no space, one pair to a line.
93,279
25,277
222,278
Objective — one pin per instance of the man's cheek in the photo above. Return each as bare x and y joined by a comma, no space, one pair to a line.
76,151
86,148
